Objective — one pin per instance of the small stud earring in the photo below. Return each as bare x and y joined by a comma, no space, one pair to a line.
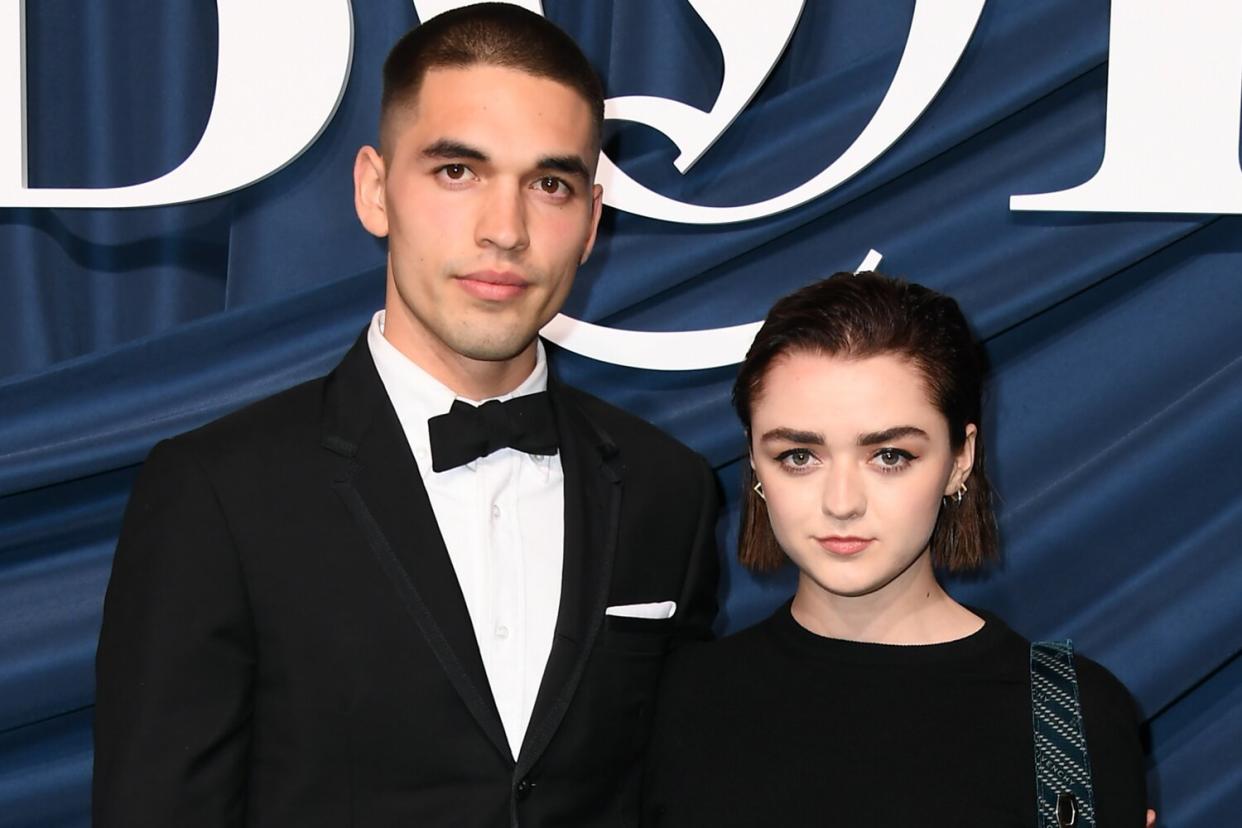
758,487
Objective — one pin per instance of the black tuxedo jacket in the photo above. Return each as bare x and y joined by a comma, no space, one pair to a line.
285,643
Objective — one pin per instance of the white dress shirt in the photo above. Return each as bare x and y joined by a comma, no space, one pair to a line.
502,519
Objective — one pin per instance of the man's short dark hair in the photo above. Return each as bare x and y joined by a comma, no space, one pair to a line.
493,34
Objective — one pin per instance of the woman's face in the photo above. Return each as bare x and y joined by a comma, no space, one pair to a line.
854,460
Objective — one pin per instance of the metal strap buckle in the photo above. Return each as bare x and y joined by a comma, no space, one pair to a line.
1067,810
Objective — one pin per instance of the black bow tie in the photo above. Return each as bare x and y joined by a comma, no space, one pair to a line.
467,433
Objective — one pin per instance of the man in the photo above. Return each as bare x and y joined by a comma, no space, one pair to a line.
365,601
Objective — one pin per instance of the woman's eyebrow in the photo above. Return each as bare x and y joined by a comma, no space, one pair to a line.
793,435
890,434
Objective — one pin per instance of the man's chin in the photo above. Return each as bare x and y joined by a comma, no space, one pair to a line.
495,350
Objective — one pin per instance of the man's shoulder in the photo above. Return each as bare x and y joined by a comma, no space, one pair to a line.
630,433
289,418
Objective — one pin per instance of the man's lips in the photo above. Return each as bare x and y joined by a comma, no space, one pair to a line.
843,545
492,285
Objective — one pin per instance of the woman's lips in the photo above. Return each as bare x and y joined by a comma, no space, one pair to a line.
840,545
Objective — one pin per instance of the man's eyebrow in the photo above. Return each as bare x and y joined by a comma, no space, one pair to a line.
567,164
889,434
448,149
793,435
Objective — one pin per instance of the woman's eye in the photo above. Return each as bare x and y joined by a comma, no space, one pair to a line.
892,458
797,458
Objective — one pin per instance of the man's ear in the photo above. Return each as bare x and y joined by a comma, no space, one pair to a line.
369,203
963,462
597,208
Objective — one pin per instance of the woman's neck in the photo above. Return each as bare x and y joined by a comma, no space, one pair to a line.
911,609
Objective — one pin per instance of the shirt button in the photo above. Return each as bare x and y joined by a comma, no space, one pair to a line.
495,512
502,631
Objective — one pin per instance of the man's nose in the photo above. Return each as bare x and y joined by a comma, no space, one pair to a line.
844,494
502,217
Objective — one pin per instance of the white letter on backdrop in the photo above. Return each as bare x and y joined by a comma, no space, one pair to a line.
752,37
938,35
12,96
663,350
1171,140
751,41
282,70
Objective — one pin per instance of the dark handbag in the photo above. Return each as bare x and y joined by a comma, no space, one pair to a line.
1063,794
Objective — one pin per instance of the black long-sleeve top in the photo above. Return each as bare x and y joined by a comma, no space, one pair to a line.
777,726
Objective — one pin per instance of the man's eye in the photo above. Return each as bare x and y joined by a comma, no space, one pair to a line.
552,185
455,172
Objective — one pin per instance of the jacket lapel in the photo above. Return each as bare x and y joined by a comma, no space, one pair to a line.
593,477
381,486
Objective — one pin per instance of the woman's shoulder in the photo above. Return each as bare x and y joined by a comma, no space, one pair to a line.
1098,682
1112,723
1100,692
1110,714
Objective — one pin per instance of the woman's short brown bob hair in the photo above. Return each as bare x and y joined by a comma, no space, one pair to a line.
869,314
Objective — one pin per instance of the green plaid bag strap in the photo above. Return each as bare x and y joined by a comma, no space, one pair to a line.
1063,795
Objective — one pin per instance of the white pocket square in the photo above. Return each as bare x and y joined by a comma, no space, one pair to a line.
657,610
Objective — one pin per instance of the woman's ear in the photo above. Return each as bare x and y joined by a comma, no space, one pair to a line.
963,462
756,484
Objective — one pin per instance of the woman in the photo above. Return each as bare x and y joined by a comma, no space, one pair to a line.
872,698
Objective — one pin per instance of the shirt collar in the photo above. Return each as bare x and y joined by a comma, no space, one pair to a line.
417,396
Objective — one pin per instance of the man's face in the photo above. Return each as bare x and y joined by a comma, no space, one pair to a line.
485,194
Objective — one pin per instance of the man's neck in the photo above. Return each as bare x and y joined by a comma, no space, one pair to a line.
471,379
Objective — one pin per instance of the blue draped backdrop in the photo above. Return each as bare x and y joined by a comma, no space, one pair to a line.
1115,339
